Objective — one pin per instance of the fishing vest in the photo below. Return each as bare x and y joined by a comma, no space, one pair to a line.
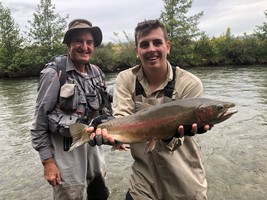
97,81
79,99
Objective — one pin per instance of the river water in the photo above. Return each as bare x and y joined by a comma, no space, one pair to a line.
234,152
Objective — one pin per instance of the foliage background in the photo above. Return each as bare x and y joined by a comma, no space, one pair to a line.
23,55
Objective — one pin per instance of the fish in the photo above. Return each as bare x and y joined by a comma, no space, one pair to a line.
159,122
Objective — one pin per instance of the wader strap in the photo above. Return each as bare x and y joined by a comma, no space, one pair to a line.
168,90
128,196
138,88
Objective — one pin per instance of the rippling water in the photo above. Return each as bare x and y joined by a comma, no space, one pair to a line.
234,152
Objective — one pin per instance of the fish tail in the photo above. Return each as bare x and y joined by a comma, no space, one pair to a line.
76,144
76,132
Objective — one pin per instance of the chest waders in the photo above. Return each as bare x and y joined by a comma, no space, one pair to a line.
139,97
168,90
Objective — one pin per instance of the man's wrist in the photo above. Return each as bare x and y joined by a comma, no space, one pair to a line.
47,161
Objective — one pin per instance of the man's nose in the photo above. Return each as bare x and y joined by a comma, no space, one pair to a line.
84,45
151,46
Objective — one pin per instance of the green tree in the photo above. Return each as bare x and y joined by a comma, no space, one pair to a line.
261,31
104,57
204,51
115,56
46,31
226,47
10,42
261,34
125,51
182,29
245,49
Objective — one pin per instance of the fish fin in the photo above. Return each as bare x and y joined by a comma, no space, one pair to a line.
141,107
76,132
116,146
76,144
150,145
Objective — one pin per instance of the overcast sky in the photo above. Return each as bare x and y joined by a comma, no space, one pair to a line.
123,15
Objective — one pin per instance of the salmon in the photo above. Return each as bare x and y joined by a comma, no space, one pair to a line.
159,122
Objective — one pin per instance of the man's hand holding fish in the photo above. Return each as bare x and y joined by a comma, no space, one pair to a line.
101,136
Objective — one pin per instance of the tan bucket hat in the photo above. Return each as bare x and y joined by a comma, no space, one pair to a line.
77,24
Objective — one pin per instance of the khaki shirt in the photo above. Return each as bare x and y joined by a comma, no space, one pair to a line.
172,170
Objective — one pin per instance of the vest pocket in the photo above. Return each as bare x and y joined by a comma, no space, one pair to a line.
59,122
93,100
69,98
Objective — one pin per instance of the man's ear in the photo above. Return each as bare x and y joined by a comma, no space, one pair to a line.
136,52
168,46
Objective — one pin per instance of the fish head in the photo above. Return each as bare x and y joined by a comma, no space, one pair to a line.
214,112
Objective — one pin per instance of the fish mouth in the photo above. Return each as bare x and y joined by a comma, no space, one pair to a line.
226,112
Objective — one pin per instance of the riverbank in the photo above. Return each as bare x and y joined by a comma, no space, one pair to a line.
36,73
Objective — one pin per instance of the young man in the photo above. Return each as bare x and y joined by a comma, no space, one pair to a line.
81,98
173,170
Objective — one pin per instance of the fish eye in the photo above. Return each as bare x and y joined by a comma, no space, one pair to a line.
219,107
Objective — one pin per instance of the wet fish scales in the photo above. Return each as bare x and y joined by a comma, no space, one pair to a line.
160,122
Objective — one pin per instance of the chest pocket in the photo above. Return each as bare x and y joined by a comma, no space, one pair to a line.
93,87
95,92
68,98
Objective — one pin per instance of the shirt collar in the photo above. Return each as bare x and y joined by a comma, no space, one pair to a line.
138,71
70,66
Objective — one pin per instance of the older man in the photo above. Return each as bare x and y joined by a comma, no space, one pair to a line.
82,97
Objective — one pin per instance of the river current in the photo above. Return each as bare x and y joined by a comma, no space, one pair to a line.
234,153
